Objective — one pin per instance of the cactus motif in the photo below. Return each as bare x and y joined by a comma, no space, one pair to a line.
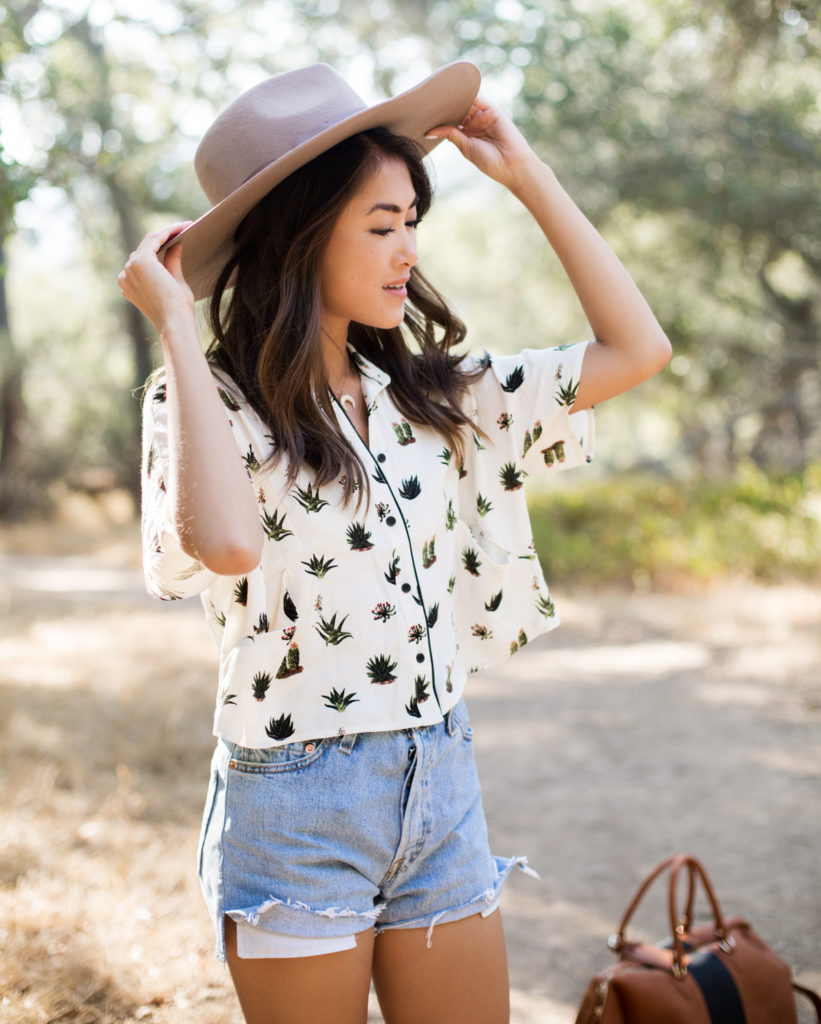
358,537
505,420
262,680
330,632
433,615
404,434
309,500
290,663
416,633
338,700
494,602
483,504
410,488
514,379
250,460
380,669
546,607
566,395
470,560
428,554
482,632
444,456
241,591
274,527
393,569
319,565
280,728
419,697
383,611
450,516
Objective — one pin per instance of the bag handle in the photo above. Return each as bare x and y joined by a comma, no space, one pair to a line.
679,924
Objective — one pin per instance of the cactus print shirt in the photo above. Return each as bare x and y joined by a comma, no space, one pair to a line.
372,619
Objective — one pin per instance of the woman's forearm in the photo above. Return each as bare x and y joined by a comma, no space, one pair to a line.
631,346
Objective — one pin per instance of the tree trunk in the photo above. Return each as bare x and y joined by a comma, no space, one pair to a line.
16,491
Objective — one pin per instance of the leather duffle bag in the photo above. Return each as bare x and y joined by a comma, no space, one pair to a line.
716,973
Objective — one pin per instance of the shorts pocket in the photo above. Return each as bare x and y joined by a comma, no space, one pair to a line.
287,757
461,721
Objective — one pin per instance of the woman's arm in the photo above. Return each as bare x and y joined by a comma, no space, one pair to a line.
630,344
214,506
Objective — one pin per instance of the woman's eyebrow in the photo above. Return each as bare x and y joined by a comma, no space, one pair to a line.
392,207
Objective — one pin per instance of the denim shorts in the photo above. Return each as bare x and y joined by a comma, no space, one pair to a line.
334,836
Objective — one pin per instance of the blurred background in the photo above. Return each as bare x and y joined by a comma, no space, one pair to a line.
688,132
679,707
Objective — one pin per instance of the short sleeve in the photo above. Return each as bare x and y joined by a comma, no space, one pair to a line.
526,402
170,574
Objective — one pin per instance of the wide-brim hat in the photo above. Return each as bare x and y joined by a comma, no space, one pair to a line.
282,123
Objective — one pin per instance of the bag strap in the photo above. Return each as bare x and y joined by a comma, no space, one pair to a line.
679,923
813,997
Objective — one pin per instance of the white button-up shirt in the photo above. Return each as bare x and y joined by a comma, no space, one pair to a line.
371,619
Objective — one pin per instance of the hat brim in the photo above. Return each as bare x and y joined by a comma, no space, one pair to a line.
442,98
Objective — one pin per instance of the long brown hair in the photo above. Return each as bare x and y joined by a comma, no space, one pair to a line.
265,317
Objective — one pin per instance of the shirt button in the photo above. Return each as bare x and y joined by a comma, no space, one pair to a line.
391,520
381,456
406,588
309,748
420,656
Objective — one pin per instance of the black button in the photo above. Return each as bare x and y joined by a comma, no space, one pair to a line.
381,456
391,520
420,656
406,588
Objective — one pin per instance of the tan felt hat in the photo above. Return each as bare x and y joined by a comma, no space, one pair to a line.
282,123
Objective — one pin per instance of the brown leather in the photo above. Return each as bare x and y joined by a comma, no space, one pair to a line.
653,984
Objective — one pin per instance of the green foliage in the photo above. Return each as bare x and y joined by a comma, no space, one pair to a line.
644,529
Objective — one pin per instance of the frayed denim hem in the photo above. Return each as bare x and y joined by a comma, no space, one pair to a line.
479,904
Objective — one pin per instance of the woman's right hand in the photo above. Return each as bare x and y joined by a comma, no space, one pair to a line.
157,286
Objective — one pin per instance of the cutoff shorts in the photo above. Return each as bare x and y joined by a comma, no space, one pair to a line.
335,836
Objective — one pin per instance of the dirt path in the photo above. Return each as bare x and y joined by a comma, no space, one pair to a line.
647,724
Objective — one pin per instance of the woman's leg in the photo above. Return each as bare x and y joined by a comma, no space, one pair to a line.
461,979
330,989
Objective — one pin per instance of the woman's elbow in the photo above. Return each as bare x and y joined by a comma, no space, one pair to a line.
657,353
234,556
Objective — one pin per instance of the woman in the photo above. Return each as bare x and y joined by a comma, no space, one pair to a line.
352,511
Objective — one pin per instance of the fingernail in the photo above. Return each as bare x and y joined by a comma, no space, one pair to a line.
429,136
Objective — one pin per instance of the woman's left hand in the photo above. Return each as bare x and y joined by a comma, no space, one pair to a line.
491,141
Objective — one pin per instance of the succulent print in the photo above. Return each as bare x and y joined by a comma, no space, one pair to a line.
241,591
428,554
250,460
330,632
554,452
482,632
450,516
528,443
451,584
410,488
444,456
546,607
513,647
383,510
403,432
393,569
150,459
462,471
383,611
228,400
263,625
290,663
537,430
262,680
379,476
288,634
274,527
505,420
380,668
338,700
289,607
448,682
416,634
483,504
479,446
470,560
160,394
522,638
280,728
514,379
358,537
510,477
421,695
566,395
493,604
219,617
319,565
308,500
433,615
226,698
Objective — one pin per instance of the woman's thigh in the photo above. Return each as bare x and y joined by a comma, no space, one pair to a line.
330,989
461,978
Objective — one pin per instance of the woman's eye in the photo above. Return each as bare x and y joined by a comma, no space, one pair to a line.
384,232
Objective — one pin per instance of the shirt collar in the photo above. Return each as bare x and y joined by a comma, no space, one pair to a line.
374,380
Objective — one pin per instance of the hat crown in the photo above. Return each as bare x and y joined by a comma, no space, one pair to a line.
268,121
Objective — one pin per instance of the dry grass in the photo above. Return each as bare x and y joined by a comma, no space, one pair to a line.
107,701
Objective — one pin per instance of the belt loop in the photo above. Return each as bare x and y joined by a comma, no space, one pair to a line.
347,742
450,725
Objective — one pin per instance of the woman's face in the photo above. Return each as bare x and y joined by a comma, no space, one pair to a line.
366,264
